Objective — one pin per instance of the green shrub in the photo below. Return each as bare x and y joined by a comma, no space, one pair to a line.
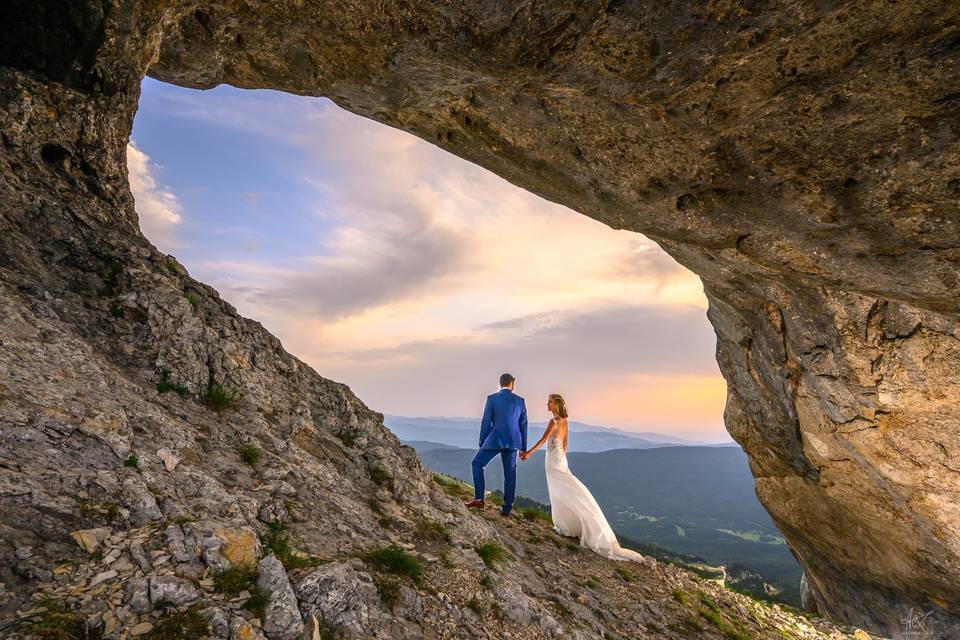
395,560
239,577
679,595
117,312
348,438
132,461
180,626
192,299
491,553
165,385
250,453
219,398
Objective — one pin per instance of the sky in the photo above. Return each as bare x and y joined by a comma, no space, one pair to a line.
414,276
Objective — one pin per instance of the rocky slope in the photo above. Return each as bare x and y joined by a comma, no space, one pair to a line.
801,157
182,578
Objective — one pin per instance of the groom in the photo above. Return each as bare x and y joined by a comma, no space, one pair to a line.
503,430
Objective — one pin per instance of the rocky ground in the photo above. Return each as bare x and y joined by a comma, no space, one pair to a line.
183,578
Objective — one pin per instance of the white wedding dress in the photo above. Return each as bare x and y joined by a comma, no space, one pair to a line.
575,511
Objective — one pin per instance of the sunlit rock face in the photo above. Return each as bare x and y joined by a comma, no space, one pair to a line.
802,158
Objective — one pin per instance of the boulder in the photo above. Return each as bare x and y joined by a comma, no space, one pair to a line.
282,619
343,598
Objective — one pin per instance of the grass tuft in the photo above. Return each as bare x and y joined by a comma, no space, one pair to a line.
239,577
453,487
132,461
474,605
625,574
175,625
250,453
57,622
257,602
431,531
164,385
491,553
278,541
220,398
192,299
533,514
348,438
396,561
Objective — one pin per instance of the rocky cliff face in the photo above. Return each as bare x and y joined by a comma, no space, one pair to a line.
801,157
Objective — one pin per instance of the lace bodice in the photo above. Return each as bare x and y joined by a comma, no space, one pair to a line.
555,442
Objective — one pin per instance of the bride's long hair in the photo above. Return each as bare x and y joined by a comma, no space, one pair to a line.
560,404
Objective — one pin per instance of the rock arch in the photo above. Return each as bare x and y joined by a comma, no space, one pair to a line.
802,158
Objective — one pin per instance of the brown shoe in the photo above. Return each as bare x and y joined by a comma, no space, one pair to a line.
475,504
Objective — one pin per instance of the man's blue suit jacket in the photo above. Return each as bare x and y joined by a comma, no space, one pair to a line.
504,423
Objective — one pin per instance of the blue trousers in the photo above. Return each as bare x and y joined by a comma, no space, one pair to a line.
509,459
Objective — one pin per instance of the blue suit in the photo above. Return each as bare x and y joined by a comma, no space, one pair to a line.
503,430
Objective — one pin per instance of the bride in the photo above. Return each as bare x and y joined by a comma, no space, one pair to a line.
575,512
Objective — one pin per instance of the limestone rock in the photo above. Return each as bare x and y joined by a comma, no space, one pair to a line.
240,546
283,620
807,598
218,621
90,539
102,577
140,557
343,598
142,503
170,459
172,590
138,595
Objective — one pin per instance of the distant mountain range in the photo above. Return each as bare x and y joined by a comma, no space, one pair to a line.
686,499
464,432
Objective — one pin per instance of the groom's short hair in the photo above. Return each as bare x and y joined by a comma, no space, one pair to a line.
506,380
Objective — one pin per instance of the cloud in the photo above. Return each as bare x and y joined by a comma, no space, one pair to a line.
157,206
624,365
421,277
